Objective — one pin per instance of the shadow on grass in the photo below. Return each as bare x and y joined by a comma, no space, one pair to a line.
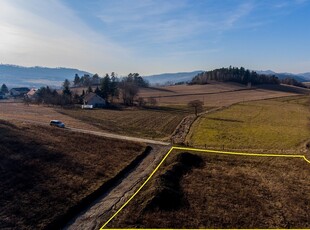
169,194
27,187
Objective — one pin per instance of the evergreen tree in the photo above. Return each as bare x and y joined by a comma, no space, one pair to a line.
105,87
97,91
4,89
66,83
90,89
95,79
114,92
77,80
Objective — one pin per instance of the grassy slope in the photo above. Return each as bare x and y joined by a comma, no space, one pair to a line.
46,170
268,124
149,123
226,192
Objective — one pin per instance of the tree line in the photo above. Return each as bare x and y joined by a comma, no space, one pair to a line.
235,74
109,88
292,81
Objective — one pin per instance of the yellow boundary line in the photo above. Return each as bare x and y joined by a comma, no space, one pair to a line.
199,150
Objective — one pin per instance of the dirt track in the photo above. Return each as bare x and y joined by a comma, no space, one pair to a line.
103,208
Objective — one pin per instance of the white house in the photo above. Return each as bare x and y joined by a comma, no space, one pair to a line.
94,100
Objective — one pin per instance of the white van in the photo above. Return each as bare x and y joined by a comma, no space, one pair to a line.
57,123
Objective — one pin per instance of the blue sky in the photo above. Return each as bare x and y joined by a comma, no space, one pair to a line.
156,36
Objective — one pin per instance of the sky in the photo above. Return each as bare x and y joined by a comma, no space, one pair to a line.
156,36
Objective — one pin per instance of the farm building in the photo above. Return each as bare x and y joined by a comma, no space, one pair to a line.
16,92
94,100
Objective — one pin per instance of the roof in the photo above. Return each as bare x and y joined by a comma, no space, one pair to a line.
90,96
32,92
21,89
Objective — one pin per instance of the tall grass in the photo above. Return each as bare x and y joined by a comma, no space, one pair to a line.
277,124
45,171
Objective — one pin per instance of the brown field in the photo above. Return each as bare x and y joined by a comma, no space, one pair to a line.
216,94
39,114
45,171
155,123
203,190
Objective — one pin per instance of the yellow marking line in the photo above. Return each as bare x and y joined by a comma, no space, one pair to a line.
200,150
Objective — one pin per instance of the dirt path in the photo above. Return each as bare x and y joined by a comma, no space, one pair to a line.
103,208
117,136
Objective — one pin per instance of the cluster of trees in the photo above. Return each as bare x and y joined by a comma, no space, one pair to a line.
239,75
292,81
129,87
109,88
4,89
86,80
46,95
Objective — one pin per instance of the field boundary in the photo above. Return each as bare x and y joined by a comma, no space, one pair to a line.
199,150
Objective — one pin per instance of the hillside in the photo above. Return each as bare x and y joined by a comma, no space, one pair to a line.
45,172
14,76
299,77
171,77
217,94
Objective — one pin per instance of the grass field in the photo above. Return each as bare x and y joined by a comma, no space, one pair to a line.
45,171
206,190
267,125
157,123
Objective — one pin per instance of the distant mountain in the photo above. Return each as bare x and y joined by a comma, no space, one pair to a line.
266,72
18,76
298,77
305,75
171,77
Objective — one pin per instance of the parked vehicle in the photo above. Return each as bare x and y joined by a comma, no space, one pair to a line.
57,123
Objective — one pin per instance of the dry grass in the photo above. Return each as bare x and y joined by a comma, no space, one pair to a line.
213,95
39,114
267,125
45,171
156,123
225,192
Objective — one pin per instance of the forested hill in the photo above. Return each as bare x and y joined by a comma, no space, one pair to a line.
239,75
20,76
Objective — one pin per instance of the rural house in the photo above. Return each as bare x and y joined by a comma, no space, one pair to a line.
94,100
19,92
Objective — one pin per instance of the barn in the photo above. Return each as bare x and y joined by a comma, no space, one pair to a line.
94,100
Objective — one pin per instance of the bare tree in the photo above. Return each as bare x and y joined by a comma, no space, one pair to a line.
152,101
197,105
129,90
141,102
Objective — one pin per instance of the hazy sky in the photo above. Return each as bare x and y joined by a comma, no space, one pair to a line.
155,36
